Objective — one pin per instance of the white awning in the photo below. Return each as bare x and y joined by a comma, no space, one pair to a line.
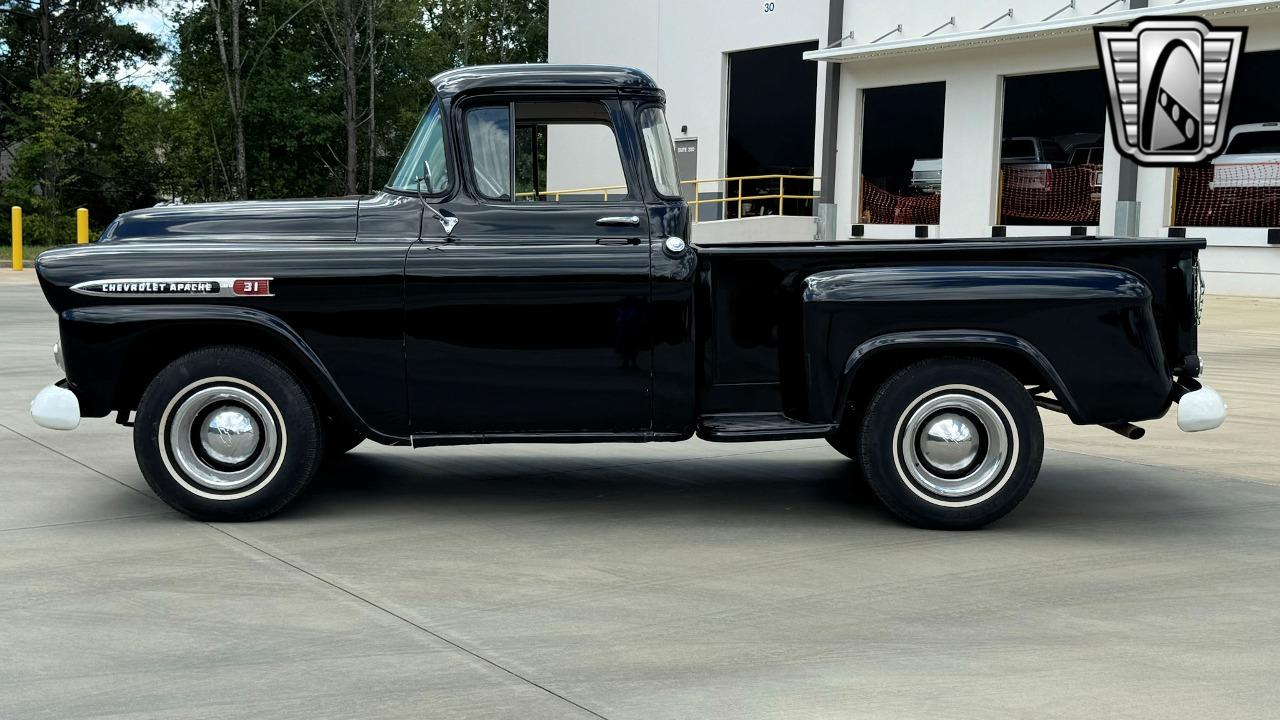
1057,27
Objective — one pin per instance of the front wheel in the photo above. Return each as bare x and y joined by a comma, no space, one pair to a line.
951,443
227,434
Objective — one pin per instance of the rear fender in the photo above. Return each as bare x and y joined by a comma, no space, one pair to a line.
947,342
1088,332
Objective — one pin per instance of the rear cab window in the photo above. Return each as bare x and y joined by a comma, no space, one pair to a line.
660,151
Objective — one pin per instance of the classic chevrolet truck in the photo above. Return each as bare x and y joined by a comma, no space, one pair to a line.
474,301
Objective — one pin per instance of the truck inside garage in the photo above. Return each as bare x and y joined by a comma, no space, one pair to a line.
1051,148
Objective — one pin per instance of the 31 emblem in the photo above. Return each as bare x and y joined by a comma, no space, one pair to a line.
1170,85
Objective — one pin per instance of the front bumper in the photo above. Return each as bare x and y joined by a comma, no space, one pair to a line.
57,408
1201,408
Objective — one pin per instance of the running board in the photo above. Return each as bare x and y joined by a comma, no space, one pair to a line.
744,427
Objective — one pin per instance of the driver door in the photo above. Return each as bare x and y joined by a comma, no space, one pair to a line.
532,318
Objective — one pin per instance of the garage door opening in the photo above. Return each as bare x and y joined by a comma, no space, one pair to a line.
771,121
1051,148
1240,187
902,154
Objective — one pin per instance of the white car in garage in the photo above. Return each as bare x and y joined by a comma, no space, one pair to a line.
926,176
1252,158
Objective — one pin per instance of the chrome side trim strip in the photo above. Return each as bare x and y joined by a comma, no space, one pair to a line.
172,287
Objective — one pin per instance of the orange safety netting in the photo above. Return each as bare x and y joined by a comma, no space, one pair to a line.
881,206
1058,195
1228,195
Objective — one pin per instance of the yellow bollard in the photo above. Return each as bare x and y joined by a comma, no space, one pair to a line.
82,226
16,215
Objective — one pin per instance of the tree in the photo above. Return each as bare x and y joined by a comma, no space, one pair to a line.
343,20
82,37
231,69
44,165
270,98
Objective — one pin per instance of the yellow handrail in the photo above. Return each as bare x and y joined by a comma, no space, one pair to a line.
557,193
780,196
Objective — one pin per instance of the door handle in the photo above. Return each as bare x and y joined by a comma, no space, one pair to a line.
619,221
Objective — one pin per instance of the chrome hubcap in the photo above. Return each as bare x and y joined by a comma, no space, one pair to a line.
949,442
954,444
230,435
223,437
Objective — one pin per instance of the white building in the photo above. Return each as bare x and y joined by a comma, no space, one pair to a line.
892,83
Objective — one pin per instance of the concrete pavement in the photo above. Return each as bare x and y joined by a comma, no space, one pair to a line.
693,580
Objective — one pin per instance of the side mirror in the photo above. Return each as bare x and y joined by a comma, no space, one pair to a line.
448,222
426,177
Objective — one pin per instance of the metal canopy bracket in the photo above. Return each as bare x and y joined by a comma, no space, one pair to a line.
1007,14
895,30
1069,6
951,23
1107,7
843,39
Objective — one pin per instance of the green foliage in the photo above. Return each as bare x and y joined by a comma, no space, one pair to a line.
45,164
80,138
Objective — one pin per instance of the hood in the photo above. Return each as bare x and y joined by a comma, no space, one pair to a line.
257,219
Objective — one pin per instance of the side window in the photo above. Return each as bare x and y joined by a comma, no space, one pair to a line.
564,152
579,162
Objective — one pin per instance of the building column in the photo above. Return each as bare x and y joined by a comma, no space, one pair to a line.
970,154
845,163
826,209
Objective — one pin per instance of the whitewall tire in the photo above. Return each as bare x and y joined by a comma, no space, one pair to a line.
951,443
227,433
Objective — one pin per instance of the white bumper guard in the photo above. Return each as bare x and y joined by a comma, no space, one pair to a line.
1201,410
56,408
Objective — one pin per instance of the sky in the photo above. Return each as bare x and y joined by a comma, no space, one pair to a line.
149,20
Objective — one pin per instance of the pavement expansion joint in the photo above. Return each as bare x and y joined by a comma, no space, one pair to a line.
408,621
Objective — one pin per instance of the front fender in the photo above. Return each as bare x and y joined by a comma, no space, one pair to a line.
111,351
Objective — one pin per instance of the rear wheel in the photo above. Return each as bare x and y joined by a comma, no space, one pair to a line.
951,443
227,433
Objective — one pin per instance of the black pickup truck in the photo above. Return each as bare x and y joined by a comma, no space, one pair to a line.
469,302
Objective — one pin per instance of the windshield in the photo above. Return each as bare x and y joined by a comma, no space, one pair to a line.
1255,143
426,145
1053,152
1017,149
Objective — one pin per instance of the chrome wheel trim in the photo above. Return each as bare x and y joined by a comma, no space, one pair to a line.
950,442
185,464
230,435
979,479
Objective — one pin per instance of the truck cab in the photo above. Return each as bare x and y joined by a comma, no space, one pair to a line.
530,274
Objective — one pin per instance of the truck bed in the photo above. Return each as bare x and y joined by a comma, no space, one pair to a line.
758,323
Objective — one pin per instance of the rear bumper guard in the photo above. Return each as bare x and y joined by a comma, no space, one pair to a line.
1200,407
